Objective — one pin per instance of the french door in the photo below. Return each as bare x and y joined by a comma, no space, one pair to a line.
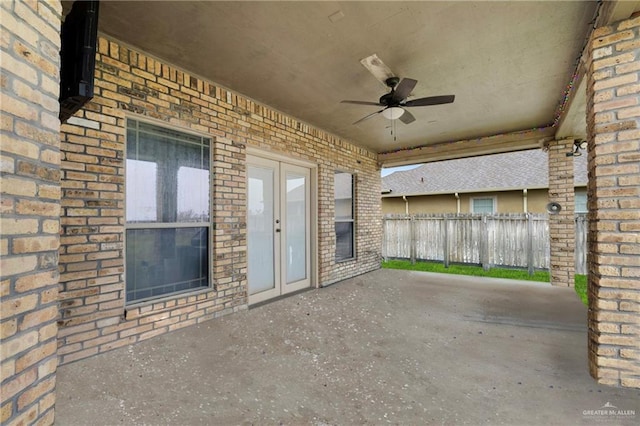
278,228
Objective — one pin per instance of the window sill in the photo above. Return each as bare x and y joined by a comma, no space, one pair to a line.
167,303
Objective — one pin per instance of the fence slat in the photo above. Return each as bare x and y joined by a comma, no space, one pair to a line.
516,240
530,265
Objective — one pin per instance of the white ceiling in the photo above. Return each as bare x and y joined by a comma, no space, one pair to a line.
508,63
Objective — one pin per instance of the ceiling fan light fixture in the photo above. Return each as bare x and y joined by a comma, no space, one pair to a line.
395,101
393,113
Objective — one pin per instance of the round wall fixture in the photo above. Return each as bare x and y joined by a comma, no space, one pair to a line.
553,208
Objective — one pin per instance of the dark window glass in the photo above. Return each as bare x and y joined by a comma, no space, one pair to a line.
344,240
163,261
343,192
167,211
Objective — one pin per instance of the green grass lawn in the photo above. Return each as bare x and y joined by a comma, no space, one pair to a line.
581,288
478,271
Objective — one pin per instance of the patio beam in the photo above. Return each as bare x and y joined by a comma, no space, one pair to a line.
496,144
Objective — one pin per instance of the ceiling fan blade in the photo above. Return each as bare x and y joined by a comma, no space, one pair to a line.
403,89
366,117
431,100
378,68
407,117
360,103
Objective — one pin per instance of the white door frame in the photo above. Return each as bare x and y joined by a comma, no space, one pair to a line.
254,156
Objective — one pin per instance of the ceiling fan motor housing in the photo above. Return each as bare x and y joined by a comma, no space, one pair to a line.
392,81
386,99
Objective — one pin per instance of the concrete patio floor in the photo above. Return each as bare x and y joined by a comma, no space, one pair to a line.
394,347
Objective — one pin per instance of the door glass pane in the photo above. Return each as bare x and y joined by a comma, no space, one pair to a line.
163,261
261,274
296,222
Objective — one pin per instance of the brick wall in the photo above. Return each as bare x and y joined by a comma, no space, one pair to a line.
613,119
562,228
129,83
30,207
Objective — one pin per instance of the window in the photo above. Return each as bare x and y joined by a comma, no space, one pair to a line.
581,201
484,205
167,211
343,190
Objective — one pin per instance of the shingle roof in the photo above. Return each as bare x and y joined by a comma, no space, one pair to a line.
498,172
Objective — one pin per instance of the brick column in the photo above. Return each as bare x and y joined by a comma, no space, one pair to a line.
562,227
613,119
30,207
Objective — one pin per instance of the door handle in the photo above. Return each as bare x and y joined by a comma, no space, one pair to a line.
277,229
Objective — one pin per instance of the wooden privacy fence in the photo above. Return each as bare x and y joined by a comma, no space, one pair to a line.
513,240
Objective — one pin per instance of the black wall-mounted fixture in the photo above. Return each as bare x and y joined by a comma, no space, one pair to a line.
79,36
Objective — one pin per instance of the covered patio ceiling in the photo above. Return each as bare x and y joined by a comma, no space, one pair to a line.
509,64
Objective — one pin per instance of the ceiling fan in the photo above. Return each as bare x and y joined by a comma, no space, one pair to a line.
395,101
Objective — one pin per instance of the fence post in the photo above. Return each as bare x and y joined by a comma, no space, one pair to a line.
530,266
384,239
445,242
581,252
484,244
412,248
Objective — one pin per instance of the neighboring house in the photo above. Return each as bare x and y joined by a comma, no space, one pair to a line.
514,182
